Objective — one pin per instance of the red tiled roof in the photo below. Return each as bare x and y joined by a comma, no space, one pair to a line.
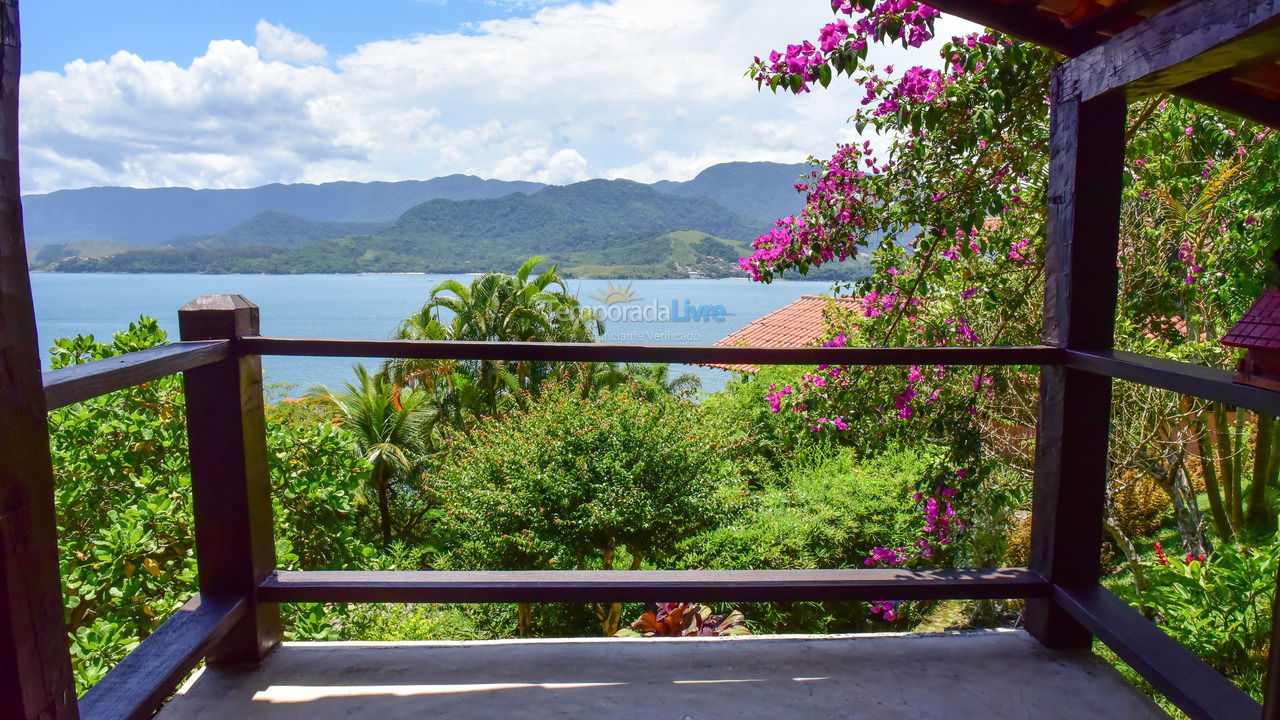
1260,326
800,324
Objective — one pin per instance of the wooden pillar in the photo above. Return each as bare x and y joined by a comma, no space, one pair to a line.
35,666
1085,170
230,483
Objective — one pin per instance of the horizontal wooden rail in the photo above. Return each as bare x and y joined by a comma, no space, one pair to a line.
1199,690
601,352
1180,377
650,585
81,382
146,677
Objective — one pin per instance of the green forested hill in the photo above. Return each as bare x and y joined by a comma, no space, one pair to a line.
597,228
276,229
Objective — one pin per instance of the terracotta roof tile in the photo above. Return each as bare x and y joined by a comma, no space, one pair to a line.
800,324
1260,326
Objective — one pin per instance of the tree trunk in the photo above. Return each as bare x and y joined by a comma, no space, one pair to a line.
524,619
384,503
1258,519
1237,470
1209,462
1131,554
1186,511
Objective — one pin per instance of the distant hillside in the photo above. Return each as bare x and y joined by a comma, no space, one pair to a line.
593,225
276,229
760,192
155,216
596,228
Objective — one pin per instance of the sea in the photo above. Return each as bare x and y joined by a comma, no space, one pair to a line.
641,312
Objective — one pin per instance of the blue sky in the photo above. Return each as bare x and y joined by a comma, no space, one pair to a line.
56,32
231,93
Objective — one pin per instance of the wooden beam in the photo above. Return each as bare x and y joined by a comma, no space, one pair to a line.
1022,23
1199,690
601,352
1184,43
146,677
35,667
650,585
78,383
1220,91
1179,377
230,482
1085,171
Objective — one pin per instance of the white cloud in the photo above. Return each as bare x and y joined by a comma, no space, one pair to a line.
645,89
277,42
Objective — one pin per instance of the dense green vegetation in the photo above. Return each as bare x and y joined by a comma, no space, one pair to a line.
964,171
474,465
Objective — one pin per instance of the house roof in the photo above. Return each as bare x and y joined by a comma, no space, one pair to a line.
1260,326
800,324
1250,89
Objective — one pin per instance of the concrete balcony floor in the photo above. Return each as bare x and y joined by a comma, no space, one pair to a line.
988,675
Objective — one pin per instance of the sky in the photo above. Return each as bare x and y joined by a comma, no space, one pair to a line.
234,93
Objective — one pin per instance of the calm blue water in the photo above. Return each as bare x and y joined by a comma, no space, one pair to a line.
370,306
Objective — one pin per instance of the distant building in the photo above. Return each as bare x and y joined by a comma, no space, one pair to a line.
800,324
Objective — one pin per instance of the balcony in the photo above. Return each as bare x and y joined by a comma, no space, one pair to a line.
998,674
1191,48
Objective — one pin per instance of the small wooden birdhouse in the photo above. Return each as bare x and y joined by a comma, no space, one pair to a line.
1258,332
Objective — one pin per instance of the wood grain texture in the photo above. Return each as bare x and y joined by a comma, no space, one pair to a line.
600,352
35,667
1085,172
1179,377
140,684
1220,90
1199,690
230,482
1184,43
1021,22
78,383
650,585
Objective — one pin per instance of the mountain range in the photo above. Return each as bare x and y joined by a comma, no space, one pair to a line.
595,228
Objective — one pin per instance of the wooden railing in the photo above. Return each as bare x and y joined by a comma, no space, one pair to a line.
234,619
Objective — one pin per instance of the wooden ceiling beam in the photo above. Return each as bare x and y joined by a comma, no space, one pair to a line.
1026,24
1184,44
1221,91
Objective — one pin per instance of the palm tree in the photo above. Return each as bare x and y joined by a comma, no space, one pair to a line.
386,422
658,376
493,307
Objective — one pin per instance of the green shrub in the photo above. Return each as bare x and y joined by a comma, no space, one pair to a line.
827,509
758,441
1219,608
122,486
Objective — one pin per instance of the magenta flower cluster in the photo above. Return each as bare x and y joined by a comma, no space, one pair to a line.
840,43
940,529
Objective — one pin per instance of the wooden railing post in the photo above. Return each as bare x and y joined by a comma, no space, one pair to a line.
231,487
1085,170
35,666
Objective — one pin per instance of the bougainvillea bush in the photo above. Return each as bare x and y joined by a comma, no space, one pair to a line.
958,175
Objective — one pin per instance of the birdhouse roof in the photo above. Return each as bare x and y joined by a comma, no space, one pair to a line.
1260,326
